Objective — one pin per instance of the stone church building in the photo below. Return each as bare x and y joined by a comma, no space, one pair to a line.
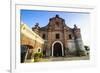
60,40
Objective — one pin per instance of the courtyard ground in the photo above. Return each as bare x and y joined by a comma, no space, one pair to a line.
71,58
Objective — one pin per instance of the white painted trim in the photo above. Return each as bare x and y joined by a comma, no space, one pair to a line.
61,45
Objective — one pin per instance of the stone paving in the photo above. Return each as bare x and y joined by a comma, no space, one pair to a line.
60,59
69,58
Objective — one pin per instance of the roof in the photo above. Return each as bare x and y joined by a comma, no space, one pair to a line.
44,28
53,18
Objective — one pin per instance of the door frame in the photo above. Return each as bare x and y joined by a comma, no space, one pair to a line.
61,47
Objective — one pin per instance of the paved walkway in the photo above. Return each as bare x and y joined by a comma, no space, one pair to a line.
61,59
68,58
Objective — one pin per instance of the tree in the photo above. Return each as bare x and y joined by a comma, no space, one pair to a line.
86,48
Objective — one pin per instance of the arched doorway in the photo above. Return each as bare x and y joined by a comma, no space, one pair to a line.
57,49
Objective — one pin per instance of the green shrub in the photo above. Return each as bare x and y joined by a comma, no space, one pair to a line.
81,53
37,56
40,55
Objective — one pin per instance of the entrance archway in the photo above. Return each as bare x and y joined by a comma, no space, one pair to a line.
57,49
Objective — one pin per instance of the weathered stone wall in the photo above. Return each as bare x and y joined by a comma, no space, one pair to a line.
67,35
71,46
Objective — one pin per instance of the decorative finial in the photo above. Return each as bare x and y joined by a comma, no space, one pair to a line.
37,25
57,15
75,26
50,19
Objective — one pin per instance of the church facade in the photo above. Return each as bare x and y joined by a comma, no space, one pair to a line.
60,40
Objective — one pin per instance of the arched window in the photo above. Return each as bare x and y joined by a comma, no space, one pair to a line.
70,37
39,50
57,36
43,36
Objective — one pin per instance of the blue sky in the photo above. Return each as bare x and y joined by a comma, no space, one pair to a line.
82,20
